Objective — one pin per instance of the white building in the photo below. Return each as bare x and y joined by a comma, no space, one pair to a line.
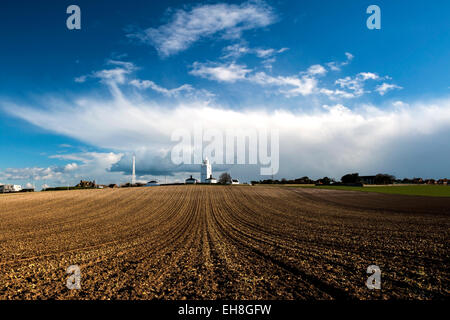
206,171
152,183
10,188
234,181
211,180
191,180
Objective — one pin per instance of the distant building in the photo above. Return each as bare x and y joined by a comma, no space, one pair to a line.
152,183
211,180
7,188
234,181
191,180
206,171
86,184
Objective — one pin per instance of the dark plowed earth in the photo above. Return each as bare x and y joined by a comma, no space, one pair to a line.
223,242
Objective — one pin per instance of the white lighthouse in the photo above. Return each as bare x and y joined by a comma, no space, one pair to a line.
206,171
133,174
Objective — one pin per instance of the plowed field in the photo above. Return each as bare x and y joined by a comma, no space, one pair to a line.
228,242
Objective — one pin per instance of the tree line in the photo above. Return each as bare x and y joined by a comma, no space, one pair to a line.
354,178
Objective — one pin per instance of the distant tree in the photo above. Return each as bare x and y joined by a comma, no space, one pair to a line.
304,180
225,178
382,178
283,181
350,178
325,180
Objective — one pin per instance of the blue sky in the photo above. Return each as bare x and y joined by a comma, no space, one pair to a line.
314,61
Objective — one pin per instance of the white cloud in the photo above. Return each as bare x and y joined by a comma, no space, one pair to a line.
144,84
316,69
102,160
80,79
356,84
123,64
239,49
383,88
91,165
186,27
399,104
333,94
264,53
71,166
367,75
267,63
353,84
115,75
336,66
289,86
349,56
235,50
34,173
220,72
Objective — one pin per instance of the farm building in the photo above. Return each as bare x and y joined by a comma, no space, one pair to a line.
6,188
191,180
211,180
86,184
234,181
152,183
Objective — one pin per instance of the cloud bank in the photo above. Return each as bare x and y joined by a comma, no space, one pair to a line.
329,140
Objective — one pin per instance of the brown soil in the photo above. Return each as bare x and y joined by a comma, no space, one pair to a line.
211,242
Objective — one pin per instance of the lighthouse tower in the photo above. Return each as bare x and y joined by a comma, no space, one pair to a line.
133,173
206,170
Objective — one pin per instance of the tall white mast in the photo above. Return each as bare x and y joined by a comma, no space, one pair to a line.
133,175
